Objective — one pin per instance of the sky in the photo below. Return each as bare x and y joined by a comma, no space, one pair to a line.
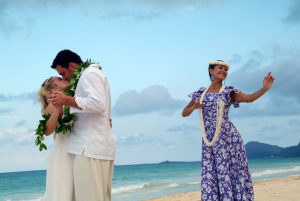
154,53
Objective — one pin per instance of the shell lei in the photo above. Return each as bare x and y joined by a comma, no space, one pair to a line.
220,113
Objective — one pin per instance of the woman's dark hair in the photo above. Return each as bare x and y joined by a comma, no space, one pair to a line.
64,57
212,66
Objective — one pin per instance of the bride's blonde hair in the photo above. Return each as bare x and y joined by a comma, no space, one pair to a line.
45,91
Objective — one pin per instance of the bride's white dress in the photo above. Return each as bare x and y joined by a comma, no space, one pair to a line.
59,181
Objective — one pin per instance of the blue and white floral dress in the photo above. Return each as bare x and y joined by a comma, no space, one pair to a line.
225,173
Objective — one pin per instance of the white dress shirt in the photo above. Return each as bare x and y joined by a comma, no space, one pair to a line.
92,135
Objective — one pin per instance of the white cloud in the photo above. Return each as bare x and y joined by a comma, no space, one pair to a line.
18,151
152,99
4,111
19,97
184,128
21,158
18,15
16,136
282,98
293,12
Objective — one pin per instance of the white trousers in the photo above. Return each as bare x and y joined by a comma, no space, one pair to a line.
92,178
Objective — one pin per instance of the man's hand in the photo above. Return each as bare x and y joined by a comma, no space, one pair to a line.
58,98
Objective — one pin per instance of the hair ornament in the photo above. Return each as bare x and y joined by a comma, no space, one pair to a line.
218,62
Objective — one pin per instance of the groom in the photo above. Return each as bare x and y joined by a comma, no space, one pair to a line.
92,141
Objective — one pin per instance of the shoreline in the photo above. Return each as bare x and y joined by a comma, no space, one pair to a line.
264,190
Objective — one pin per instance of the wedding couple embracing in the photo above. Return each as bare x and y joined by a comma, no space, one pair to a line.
76,108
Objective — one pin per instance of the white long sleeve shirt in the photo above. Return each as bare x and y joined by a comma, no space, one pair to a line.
92,135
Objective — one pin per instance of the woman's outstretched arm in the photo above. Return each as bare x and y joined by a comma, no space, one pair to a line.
267,84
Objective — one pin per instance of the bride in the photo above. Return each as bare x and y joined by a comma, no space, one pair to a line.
59,181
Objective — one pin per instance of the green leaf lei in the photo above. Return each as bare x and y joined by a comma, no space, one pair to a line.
65,122
40,132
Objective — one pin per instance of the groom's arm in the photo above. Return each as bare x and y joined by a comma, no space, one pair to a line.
69,100
91,93
58,99
89,101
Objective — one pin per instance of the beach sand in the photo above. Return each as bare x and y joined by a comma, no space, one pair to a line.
286,189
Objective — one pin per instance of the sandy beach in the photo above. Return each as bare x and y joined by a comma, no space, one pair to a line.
286,189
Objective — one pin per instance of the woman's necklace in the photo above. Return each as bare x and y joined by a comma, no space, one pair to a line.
220,113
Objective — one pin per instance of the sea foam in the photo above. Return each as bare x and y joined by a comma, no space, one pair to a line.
270,172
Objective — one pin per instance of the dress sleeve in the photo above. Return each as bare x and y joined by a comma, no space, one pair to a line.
229,90
195,96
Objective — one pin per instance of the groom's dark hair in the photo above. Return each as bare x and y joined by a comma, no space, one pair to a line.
64,57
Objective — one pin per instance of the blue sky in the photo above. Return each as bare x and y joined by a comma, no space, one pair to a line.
155,53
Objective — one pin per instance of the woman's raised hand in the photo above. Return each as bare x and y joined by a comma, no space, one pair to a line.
268,81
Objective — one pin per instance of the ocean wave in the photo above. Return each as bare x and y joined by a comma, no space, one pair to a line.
172,185
275,171
129,188
144,186
194,182
35,199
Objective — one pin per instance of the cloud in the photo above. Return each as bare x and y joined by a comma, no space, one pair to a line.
271,107
250,75
120,14
20,123
294,122
136,139
5,111
236,59
293,12
16,136
174,4
152,99
139,139
16,14
184,128
19,97
282,99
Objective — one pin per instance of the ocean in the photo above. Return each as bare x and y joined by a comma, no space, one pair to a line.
139,182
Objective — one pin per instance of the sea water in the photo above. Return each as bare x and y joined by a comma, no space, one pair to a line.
139,182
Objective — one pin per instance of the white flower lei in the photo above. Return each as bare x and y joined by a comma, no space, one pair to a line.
220,113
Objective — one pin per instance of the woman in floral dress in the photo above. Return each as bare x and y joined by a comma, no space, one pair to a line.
225,172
